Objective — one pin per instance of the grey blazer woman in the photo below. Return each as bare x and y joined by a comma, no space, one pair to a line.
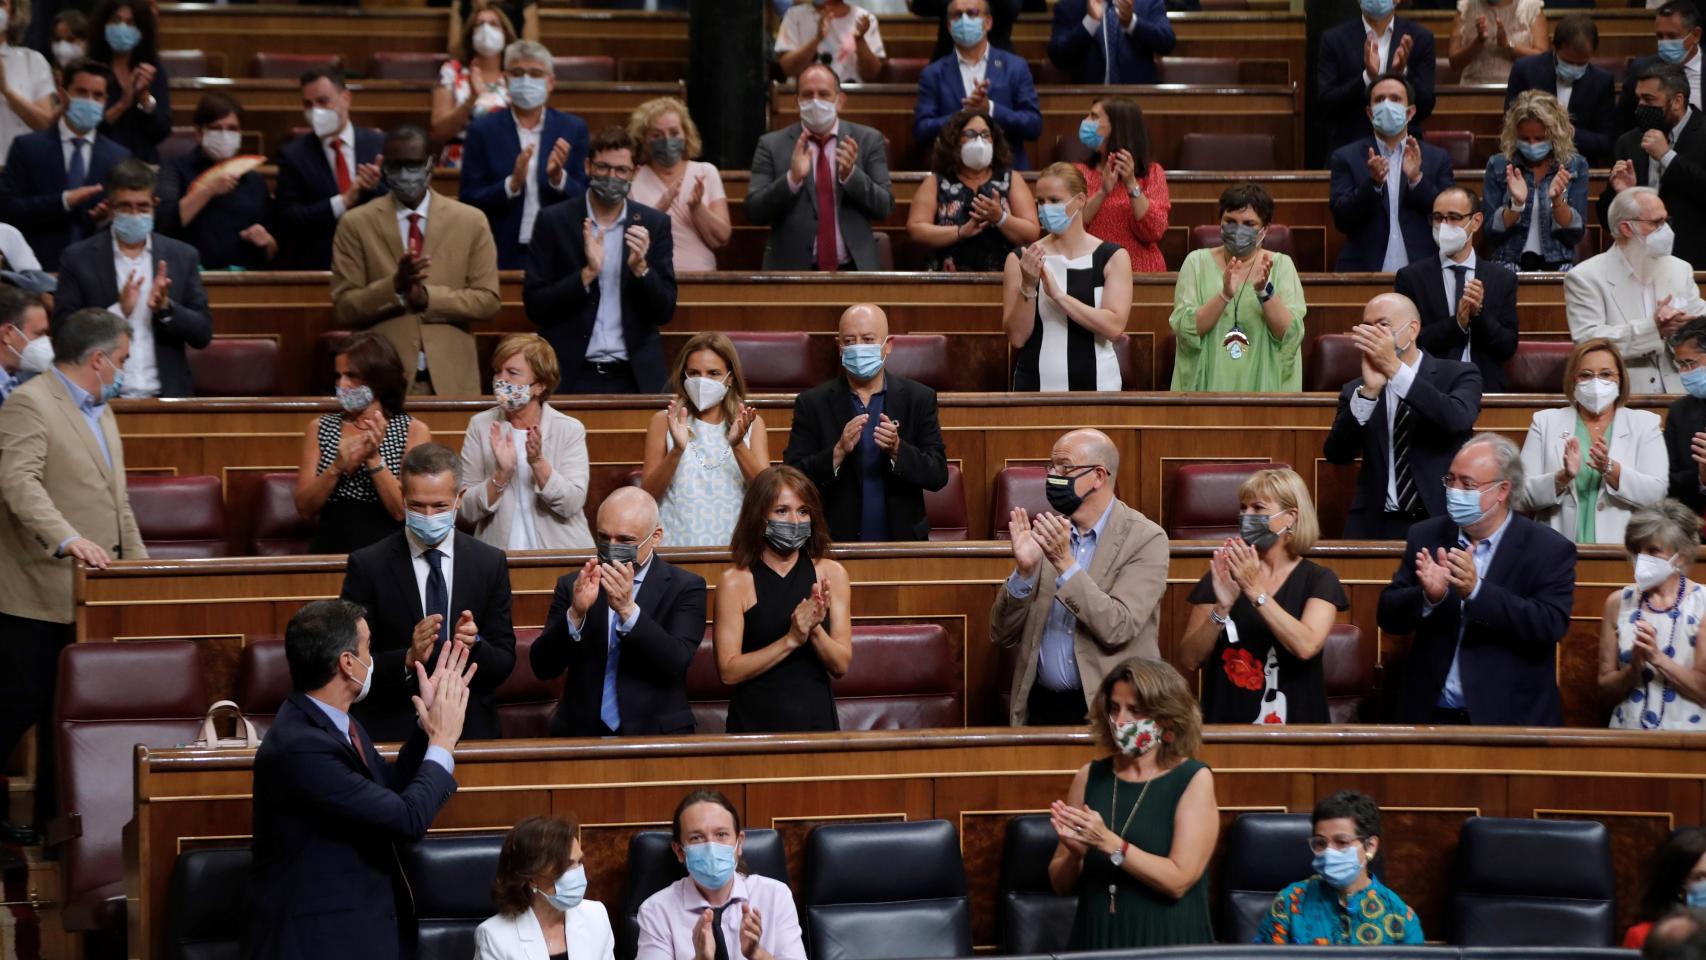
557,510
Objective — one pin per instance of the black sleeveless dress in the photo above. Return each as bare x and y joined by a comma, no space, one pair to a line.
794,695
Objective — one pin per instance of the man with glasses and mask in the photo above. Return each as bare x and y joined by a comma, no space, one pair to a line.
1085,591
419,268
1635,294
1342,904
1666,150
1405,416
25,349
601,278
1485,594
1468,304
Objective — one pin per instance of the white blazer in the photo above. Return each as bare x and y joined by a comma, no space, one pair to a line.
1636,443
586,929
559,510
1603,298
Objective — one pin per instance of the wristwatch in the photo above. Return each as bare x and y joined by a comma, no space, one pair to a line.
1266,293
1134,192
1261,598
1118,856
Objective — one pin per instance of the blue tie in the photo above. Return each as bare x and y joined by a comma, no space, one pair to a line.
607,712
437,597
77,174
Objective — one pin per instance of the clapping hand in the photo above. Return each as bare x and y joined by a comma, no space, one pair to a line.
704,937
355,449
887,435
535,445
850,434
751,929
1501,37
1436,582
141,79
1572,458
978,101
1080,828
808,614
1460,570
594,250
258,235
1259,270
1378,168
1412,160
1516,185
1560,183
697,197
1401,55
1645,646
1123,10
680,422
1054,536
1027,552
1243,563
467,632
160,295
131,290
863,26
742,422
442,703
518,174
1469,305
1669,319
985,210
1031,263
846,155
1622,175
1220,576
800,161
503,451
585,592
555,162
1378,353
1697,450
638,241
425,637
366,181
1371,57
617,579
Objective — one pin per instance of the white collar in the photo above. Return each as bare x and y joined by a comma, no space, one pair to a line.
403,212
1676,131
66,133
1446,263
447,546
1368,28
961,57
146,254
346,134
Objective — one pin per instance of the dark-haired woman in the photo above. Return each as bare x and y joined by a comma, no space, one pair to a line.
348,474
227,219
1676,878
974,209
783,624
126,39
540,893
1128,190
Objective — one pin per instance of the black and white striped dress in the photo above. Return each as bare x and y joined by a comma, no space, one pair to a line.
1061,354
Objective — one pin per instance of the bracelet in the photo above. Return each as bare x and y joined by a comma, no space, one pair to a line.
1217,618
1030,294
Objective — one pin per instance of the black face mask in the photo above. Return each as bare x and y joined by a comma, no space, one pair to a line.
1063,494
785,537
1650,118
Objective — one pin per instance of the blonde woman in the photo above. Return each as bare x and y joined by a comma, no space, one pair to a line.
1536,186
1648,663
472,83
670,180
703,450
1488,35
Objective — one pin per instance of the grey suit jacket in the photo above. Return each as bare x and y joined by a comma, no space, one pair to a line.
792,214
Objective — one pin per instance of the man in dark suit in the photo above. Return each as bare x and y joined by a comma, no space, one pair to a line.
51,187
1405,417
518,162
869,439
1000,31
427,586
324,173
1108,42
1588,92
1383,186
1001,84
153,281
789,187
328,810
1356,53
625,627
1486,595
1666,148
1468,304
1685,421
601,278
1676,27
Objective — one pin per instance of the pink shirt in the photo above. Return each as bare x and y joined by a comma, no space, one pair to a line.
816,149
691,253
667,918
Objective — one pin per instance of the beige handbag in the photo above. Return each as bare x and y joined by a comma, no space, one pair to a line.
245,738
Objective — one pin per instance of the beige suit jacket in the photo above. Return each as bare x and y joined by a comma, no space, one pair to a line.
55,485
1117,603
461,285
1604,298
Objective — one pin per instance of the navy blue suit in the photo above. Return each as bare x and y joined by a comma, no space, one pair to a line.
1626,99
1508,660
303,199
1111,55
326,883
565,311
1593,101
1361,212
32,188
1492,333
1012,99
1339,90
489,150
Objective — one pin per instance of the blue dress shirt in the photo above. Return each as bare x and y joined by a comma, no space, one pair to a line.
1451,694
91,407
607,342
1057,660
873,502
341,720
608,712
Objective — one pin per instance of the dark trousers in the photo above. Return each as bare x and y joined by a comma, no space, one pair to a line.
1382,525
29,671
608,377
1054,708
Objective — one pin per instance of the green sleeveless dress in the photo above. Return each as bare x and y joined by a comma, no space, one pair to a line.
1143,916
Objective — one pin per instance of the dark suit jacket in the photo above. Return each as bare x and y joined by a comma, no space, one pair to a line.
1508,660
1445,396
214,231
1686,417
1593,101
381,578
819,416
1012,98
303,198
32,188
651,672
865,198
1120,56
86,279
489,149
138,131
565,311
1359,210
1492,334
1002,12
326,881
1339,91
1626,98
1682,188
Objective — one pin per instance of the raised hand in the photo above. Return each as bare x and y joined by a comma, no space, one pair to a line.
1572,459
887,435
555,162
128,294
1622,175
1434,579
467,632
1460,570
161,293
638,240
523,164
1469,305
1027,552
585,592
742,422
800,161
1378,168
1515,183
846,155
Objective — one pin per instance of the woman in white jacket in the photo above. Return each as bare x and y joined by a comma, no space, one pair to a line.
539,891
525,464
1591,464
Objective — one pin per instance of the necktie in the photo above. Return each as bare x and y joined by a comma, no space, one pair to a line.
826,255
415,236
77,174
437,597
607,711
1401,424
1458,272
717,932
340,166
355,741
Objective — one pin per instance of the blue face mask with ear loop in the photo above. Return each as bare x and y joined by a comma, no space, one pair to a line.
1673,50
1694,381
1339,866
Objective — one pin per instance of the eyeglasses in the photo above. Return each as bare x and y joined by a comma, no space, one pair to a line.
601,169
1452,218
1072,469
1467,483
537,73
1653,223
1319,845
967,136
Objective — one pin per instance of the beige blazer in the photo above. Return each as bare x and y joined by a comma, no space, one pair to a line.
559,510
586,931
1604,298
1635,441
55,485
1117,603
462,287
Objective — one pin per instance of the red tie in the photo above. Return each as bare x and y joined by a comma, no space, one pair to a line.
415,234
341,167
355,741
826,255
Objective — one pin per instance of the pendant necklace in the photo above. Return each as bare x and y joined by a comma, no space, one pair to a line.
1113,811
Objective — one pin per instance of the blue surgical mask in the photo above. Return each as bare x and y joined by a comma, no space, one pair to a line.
967,30
711,865
1339,866
122,37
1054,217
1696,896
1571,72
526,92
1694,381
133,228
1673,51
430,529
1377,9
84,115
862,360
1464,506
1090,134
1390,118
1535,152
110,391
569,890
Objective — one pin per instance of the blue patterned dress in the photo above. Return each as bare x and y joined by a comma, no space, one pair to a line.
1654,704
703,500
1309,912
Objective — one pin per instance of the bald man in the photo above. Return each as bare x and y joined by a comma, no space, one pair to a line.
1405,417
869,439
625,627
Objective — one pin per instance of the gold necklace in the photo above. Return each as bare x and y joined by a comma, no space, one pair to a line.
1113,811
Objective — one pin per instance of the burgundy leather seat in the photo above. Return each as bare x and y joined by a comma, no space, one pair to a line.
179,142
525,702
1128,365
1330,361
1166,357
1198,70
181,64
111,697
902,69
1202,500
584,69
263,680
1538,366
1458,144
1227,151
1347,674
405,65
180,517
946,508
922,357
278,530
776,360
236,367
1016,487
290,66
1278,238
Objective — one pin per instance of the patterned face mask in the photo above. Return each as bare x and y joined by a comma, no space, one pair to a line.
1134,738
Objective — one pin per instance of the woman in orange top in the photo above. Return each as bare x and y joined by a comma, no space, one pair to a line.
1128,191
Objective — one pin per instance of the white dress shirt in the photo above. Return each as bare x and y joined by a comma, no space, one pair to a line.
141,372
1451,692
1564,90
1385,42
523,535
16,250
1397,388
1691,69
417,556
1450,278
67,143
1397,258
346,146
973,72
529,192
830,144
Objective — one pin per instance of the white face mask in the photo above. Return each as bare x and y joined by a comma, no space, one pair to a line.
1450,239
1595,395
66,51
324,121
221,144
366,681
1650,571
976,154
488,40
37,355
818,116
1659,242
704,392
